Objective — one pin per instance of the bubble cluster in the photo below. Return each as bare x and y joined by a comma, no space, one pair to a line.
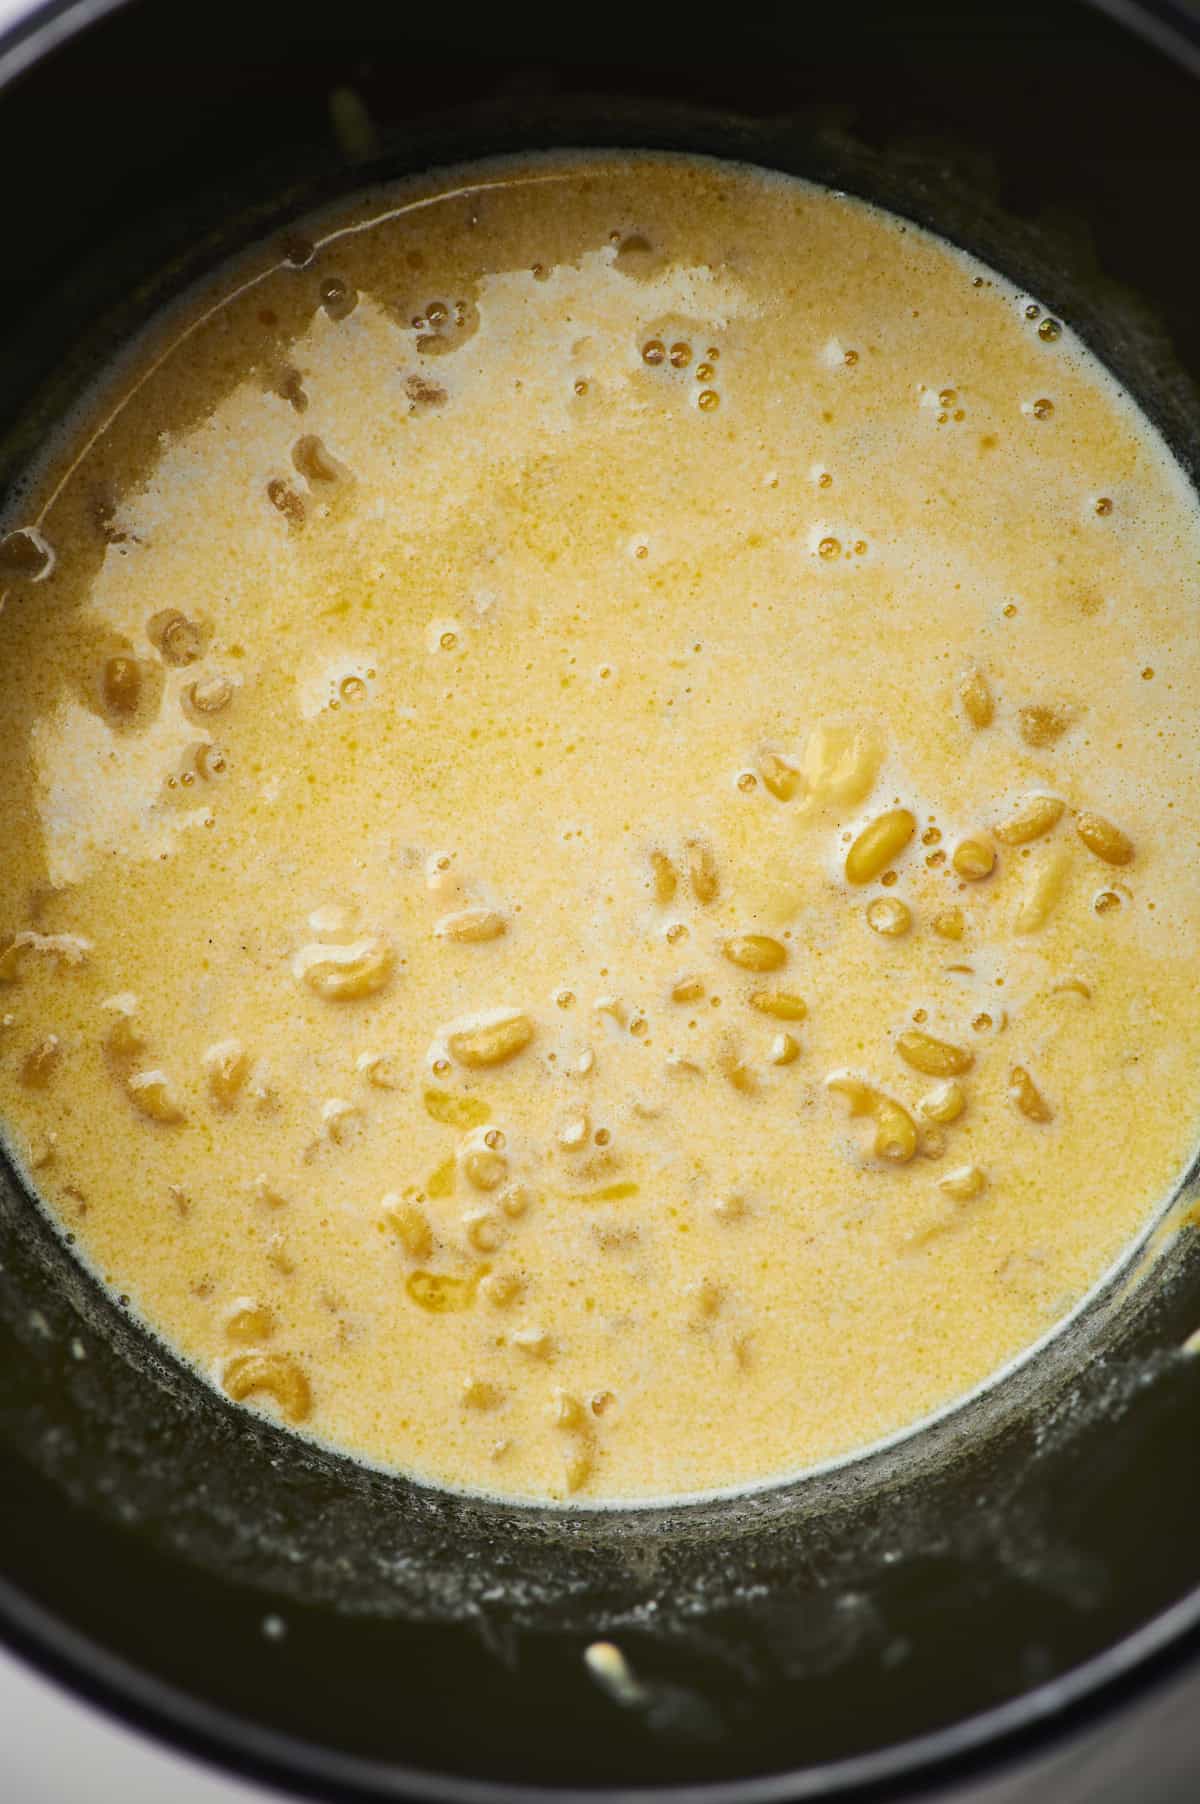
443,327
655,353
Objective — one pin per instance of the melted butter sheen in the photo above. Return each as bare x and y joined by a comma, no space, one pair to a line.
535,945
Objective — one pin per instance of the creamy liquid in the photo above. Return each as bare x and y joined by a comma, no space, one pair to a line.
472,654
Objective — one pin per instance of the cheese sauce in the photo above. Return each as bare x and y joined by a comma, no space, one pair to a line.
600,816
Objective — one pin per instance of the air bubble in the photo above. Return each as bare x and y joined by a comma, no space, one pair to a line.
1049,330
653,351
338,298
709,398
681,355
829,548
1042,408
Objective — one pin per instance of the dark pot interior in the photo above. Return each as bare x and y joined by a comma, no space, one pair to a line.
345,1631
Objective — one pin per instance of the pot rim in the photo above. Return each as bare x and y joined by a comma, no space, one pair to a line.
1167,1645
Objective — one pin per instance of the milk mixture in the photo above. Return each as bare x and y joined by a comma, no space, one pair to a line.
600,812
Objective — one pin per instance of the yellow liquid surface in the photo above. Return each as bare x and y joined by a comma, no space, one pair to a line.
448,989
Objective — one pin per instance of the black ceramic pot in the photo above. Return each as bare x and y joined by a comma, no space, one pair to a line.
1029,1569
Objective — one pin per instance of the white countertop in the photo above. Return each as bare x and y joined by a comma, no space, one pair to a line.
57,1750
